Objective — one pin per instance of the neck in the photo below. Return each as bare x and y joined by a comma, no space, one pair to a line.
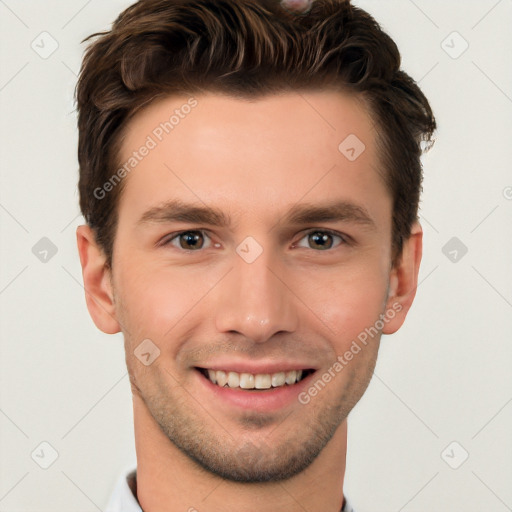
169,481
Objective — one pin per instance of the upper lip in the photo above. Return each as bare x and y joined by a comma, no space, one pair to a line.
253,367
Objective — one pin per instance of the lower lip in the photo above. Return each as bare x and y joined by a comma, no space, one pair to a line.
267,400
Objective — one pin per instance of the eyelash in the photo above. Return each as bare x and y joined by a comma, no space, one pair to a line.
344,239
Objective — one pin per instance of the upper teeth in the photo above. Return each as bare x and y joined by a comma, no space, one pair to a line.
254,381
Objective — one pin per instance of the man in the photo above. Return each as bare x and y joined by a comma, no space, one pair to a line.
250,178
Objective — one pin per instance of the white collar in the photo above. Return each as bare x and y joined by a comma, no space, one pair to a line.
123,499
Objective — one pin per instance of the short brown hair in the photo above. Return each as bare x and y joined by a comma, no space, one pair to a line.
245,48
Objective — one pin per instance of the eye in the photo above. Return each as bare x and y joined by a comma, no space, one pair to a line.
188,240
321,240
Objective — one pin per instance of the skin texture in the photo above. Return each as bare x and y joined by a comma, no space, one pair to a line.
299,302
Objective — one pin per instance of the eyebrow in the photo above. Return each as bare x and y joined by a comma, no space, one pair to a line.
178,211
340,211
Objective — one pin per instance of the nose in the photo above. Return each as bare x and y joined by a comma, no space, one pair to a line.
254,300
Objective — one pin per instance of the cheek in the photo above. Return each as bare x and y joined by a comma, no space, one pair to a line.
155,300
348,303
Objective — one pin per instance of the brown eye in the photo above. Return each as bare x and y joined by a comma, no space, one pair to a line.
191,240
321,240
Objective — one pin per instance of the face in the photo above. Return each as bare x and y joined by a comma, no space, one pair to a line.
252,253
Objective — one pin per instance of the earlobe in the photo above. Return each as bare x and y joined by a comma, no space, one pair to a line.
403,280
96,276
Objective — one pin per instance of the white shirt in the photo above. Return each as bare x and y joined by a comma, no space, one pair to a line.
123,499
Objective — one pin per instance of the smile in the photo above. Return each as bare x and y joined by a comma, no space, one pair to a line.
259,381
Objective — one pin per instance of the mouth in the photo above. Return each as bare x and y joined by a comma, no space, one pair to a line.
254,382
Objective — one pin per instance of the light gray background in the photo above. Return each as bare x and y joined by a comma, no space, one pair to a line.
444,377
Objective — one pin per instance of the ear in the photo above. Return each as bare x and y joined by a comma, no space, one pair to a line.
96,276
403,280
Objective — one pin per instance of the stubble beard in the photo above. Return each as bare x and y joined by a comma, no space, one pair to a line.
239,453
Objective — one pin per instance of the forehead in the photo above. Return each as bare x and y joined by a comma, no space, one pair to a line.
250,154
